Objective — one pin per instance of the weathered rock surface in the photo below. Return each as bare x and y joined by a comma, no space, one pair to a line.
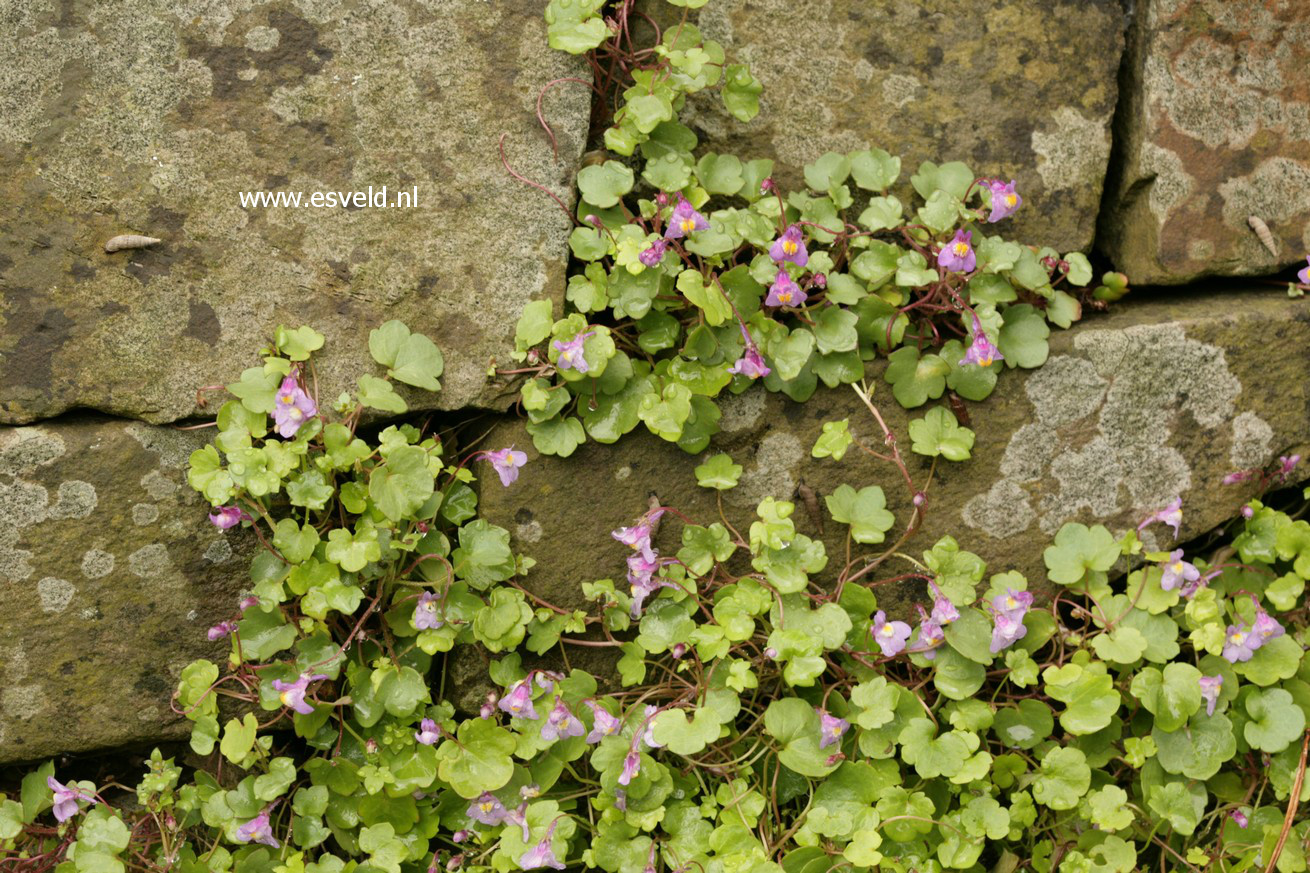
109,577
1214,128
1021,89
1155,400
152,117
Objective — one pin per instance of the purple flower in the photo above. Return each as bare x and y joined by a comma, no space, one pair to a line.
571,354
943,611
684,220
820,280
1210,686
1232,479
518,702
506,463
425,613
930,633
1304,276
427,733
66,799
957,255
652,256
293,407
1286,464
561,723
641,575
543,853
1189,589
831,728
1008,628
1172,514
785,292
605,725
1177,570
1266,627
1239,818
638,536
293,693
461,835
1005,200
981,351
258,830
790,247
751,364
1240,643
221,630
487,810
228,516
1013,602
890,635
648,726
631,766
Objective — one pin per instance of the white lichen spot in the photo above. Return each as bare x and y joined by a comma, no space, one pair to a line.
1170,183
191,614
150,562
741,411
23,449
76,499
529,532
145,513
1003,511
88,613
1252,437
158,485
1071,150
55,594
622,473
262,39
22,701
97,564
899,89
773,472
219,551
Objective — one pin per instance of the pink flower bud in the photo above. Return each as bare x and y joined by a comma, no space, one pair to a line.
1248,512
248,602
661,199
678,650
766,186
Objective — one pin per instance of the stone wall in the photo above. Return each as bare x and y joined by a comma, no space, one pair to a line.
1151,138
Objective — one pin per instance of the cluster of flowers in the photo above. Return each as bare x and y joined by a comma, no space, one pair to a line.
1008,610
644,564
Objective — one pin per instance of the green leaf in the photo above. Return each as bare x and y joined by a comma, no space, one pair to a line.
378,394
402,484
741,92
480,760
719,473
971,636
298,344
882,213
1172,695
795,725
828,171
1078,551
534,325
939,433
604,184
1275,720
874,169
557,436
574,26
484,556
834,441
1025,726
294,542
1173,803
953,177
1063,778
834,330
1088,694
720,174
239,738
864,510
1199,749
1023,337
915,380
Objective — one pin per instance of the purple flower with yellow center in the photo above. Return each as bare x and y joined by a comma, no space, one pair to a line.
561,723
631,766
604,725
571,354
427,733
487,809
652,255
1240,643
751,363
957,255
518,702
831,728
943,611
221,630
506,463
684,220
981,351
1013,602
543,853
292,408
1266,627
293,693
890,635
258,830
1007,629
1177,571
785,292
228,516
1210,686
1005,200
66,799
1304,275
1171,515
425,613
790,246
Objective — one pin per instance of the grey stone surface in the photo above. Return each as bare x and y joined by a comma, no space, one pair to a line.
1214,128
110,575
151,117
1155,400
